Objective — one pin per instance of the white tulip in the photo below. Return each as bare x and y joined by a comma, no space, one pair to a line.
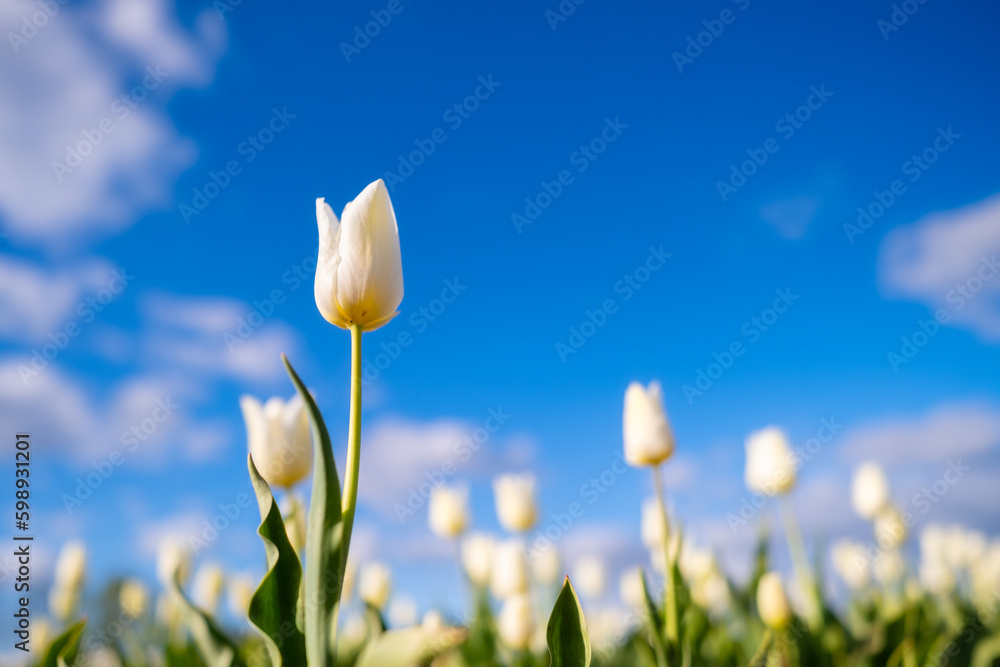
61,603
278,437
712,594
546,565
890,528
42,634
433,622
869,490
173,559
770,467
208,585
293,512
772,604
515,502
477,557
402,612
239,593
589,576
510,571
695,563
630,588
71,566
652,524
133,598
374,584
448,512
889,567
516,623
359,272
648,437
850,560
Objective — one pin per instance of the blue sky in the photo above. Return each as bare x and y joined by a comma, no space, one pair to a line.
547,90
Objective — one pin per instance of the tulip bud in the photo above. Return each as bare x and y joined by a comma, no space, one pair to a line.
589,576
890,528
133,598
545,565
630,588
652,524
374,584
208,584
772,605
515,502
510,572
71,566
869,490
770,465
61,603
173,559
850,560
278,439
359,273
402,612
241,590
433,622
648,437
890,566
293,513
42,634
448,512
515,624
477,557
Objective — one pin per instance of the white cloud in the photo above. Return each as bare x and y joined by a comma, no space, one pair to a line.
66,79
790,217
35,302
942,433
948,260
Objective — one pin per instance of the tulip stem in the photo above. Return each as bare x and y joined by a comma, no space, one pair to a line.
350,498
670,585
800,561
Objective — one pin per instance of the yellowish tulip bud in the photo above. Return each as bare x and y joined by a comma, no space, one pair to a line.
772,604
516,622
374,584
770,467
477,557
448,512
869,490
515,502
648,437
278,438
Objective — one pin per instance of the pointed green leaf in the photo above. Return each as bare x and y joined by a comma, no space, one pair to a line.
567,636
63,649
410,646
324,566
273,607
216,649
654,621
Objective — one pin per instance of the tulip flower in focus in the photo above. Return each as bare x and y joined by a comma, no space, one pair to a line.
772,604
448,512
515,502
869,490
374,584
359,272
648,437
770,467
278,439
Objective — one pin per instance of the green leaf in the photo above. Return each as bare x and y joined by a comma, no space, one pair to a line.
273,607
567,636
655,623
324,563
410,646
63,649
216,649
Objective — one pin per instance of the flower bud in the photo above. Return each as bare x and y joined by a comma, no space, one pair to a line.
516,623
374,584
448,512
477,557
648,437
278,439
510,572
869,490
770,467
515,502
772,605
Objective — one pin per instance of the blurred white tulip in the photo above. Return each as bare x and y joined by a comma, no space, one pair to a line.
510,570
448,511
209,582
889,567
770,466
516,622
648,437
589,576
61,603
133,598
772,604
652,524
546,565
402,612
71,565
173,559
359,270
630,588
433,621
374,584
294,513
278,438
240,590
711,593
477,557
869,490
890,528
850,561
515,502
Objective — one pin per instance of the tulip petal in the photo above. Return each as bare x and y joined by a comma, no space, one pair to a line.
327,262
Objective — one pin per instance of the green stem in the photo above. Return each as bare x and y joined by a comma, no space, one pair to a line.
350,500
800,560
760,654
670,585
